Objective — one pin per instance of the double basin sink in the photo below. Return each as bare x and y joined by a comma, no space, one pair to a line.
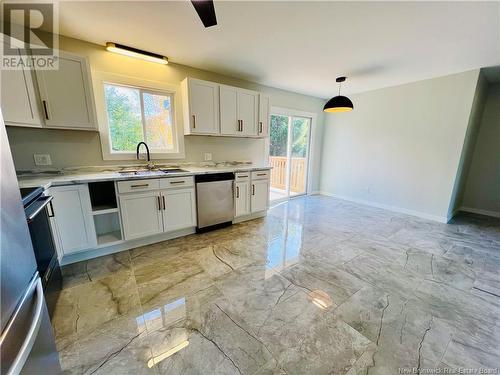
151,172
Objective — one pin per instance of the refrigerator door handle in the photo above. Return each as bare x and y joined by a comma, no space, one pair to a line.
25,349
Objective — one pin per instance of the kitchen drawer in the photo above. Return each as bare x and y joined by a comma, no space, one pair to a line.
260,175
176,182
138,185
242,176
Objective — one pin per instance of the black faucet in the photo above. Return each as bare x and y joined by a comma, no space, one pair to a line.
150,165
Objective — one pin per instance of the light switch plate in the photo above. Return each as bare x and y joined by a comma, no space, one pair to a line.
42,159
208,156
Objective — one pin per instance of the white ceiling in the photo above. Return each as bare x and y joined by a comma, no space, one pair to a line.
302,46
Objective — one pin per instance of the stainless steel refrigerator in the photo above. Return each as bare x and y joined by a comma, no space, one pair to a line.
27,343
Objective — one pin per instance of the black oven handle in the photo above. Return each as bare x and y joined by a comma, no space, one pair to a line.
38,206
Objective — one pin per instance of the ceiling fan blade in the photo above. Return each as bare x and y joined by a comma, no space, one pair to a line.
206,11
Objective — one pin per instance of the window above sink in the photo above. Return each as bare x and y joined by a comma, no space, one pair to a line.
131,110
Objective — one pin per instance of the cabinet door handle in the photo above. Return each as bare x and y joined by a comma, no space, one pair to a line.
241,125
159,203
44,102
253,189
139,186
163,199
260,127
261,174
177,182
194,121
237,191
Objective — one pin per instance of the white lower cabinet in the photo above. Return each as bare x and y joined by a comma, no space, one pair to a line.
259,195
252,192
242,198
157,211
141,214
72,223
179,211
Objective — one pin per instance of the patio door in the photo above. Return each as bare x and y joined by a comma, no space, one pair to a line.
288,155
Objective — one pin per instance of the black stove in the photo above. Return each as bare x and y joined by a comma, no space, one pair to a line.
38,209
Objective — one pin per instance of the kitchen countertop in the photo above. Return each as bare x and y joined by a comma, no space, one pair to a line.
76,176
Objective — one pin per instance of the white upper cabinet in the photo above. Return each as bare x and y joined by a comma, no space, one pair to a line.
213,109
18,98
229,121
201,106
264,108
238,111
248,105
66,94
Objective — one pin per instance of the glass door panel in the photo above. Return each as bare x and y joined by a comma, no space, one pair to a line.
299,153
288,156
278,156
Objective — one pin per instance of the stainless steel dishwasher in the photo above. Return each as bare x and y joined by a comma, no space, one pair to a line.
214,200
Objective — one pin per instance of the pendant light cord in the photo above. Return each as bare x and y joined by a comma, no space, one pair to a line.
340,84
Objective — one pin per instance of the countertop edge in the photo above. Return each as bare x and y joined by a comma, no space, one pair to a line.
83,178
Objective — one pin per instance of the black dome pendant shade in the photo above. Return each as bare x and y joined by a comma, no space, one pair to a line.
339,103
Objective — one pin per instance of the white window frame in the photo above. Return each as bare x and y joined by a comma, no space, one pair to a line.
156,87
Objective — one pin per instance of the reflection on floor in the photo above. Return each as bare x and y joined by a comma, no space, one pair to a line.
320,286
277,194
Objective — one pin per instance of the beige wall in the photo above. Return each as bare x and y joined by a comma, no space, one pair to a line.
482,189
75,148
401,146
469,144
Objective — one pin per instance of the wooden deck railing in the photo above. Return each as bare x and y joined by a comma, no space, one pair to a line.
297,176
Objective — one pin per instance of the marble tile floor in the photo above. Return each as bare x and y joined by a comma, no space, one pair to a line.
319,286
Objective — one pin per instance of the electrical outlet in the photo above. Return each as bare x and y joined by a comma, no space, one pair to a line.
208,156
42,159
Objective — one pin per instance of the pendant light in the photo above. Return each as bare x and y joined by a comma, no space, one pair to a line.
339,103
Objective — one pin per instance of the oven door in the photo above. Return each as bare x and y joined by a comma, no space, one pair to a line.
45,251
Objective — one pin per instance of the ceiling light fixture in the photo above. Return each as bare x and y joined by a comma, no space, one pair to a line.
339,103
137,53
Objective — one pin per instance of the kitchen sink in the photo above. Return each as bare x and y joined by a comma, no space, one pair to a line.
153,172
173,170
141,172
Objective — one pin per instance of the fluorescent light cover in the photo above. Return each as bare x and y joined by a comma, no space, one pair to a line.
155,360
137,53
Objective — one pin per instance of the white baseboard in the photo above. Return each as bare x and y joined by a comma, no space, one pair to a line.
453,214
479,211
255,215
423,215
316,192
124,245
